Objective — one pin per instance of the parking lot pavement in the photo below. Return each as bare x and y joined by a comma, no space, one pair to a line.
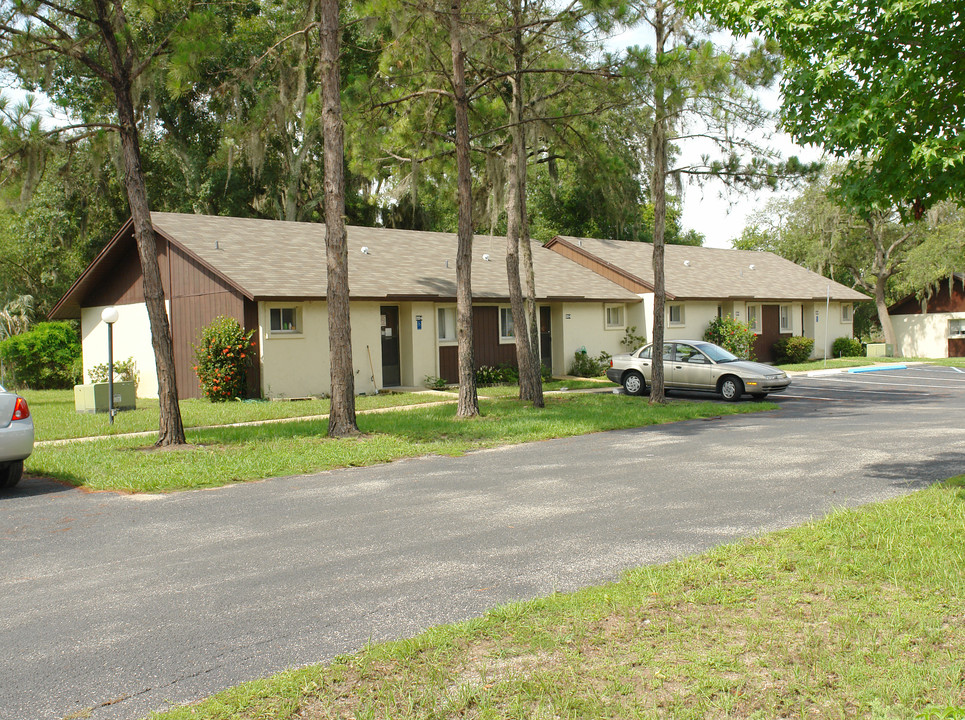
914,383
114,605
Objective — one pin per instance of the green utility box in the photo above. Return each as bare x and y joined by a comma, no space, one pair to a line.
94,398
880,350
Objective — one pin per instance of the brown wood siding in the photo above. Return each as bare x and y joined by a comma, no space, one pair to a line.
486,346
198,297
956,347
944,300
599,268
124,285
770,332
254,370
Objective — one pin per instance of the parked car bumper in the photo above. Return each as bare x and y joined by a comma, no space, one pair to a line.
767,385
17,441
614,375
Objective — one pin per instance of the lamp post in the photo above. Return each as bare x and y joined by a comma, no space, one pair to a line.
109,315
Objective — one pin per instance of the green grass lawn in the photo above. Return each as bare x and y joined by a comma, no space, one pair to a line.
224,455
860,614
55,417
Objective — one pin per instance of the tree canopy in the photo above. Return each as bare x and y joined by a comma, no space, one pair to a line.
878,82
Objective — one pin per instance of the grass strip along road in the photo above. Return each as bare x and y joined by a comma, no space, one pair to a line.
860,614
225,455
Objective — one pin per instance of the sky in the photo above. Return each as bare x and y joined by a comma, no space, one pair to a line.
709,209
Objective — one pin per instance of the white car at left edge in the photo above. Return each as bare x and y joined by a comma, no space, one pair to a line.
16,437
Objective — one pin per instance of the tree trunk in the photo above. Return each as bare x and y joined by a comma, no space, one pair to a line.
170,428
658,190
524,315
468,398
341,417
884,317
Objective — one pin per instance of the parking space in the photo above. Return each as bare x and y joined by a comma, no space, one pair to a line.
913,383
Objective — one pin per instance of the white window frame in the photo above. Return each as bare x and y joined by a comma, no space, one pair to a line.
787,314
683,318
296,322
847,313
956,327
506,311
444,314
754,314
622,312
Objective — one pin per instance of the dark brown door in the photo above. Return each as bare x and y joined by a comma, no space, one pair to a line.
391,367
545,337
956,347
770,332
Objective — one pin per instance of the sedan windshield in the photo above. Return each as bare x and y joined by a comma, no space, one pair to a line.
718,354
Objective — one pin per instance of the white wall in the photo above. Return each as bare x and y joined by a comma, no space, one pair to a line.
825,323
420,356
924,336
132,338
297,364
583,325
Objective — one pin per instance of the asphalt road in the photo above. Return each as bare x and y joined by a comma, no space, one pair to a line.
113,605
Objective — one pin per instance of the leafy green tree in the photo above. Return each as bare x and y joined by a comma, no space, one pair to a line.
695,88
876,82
114,46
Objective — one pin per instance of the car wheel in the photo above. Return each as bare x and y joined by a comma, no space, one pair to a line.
731,388
634,383
11,473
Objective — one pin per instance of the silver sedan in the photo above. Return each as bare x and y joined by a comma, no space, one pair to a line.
697,365
16,437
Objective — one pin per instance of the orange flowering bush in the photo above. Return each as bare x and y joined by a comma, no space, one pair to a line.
732,335
222,358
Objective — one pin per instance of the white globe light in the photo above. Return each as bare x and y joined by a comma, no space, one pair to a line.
110,315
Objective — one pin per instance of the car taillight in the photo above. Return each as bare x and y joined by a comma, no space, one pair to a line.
611,362
20,410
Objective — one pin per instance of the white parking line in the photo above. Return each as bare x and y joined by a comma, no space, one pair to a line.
807,397
958,370
870,392
890,384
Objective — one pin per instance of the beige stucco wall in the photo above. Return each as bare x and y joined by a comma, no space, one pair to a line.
923,336
297,364
827,324
583,325
132,338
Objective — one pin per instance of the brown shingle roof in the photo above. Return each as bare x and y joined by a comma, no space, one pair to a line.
693,273
276,259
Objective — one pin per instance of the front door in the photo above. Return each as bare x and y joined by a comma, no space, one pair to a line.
391,366
770,332
545,337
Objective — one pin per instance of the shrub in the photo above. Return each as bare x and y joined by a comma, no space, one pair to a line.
846,347
631,341
732,335
222,359
503,374
794,349
43,358
435,382
124,370
586,366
